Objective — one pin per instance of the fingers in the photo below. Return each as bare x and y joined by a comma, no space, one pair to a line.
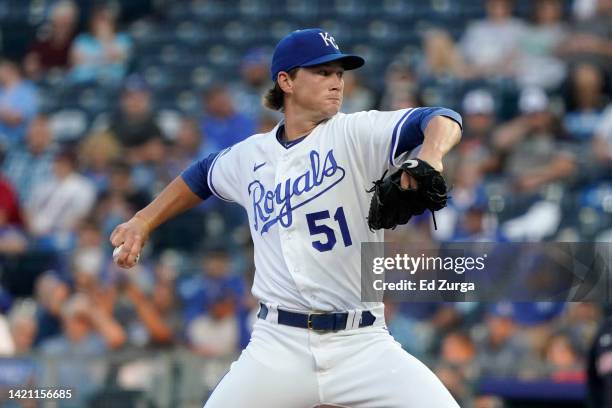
117,236
131,242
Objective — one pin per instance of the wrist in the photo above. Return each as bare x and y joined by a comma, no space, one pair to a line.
434,160
145,222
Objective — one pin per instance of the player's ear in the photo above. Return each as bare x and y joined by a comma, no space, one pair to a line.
285,82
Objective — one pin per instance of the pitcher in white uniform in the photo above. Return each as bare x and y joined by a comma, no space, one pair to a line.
303,186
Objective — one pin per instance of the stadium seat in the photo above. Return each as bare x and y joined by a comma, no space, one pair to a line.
169,122
68,125
188,102
201,77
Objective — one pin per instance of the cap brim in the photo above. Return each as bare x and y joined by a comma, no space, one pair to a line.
348,61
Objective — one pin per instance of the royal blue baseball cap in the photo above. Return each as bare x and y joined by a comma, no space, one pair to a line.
307,48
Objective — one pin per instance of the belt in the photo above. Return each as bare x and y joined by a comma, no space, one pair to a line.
317,321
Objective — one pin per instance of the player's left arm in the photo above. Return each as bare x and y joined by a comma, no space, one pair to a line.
440,135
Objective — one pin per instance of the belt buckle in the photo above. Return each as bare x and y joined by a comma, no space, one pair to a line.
309,324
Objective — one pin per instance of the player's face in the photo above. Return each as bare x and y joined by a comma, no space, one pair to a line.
319,89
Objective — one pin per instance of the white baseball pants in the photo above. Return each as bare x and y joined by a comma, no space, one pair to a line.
287,367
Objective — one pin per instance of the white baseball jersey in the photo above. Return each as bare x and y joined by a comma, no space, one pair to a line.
307,203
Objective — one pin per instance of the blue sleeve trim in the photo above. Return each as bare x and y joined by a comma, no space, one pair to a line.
394,136
412,130
210,178
196,176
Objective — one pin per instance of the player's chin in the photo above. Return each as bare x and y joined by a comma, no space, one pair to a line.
332,106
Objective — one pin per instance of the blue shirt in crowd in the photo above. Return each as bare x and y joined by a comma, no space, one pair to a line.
226,132
21,98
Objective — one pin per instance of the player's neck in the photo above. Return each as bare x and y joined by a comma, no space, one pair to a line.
297,127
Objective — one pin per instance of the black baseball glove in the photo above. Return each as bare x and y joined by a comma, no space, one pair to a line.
391,205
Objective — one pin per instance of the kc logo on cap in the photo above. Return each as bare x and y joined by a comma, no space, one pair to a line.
307,48
328,39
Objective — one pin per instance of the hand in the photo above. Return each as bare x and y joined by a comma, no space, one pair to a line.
407,182
132,236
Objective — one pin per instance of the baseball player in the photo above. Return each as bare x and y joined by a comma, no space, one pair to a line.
303,186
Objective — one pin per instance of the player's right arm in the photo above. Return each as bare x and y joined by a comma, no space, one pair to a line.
189,189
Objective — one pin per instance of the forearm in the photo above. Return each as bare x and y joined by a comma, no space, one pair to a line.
113,333
441,134
150,317
560,168
176,198
510,134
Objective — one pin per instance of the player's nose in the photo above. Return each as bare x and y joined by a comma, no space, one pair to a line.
337,83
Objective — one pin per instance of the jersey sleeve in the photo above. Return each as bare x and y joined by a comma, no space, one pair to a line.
385,139
215,175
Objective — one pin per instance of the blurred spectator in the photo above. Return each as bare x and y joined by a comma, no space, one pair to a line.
120,200
442,58
591,39
462,218
216,333
97,153
538,65
401,87
31,164
530,145
488,401
7,346
479,121
12,235
217,275
459,350
587,102
18,103
10,210
50,294
52,47
582,322
213,305
190,145
58,205
221,123
88,258
414,336
146,310
76,355
490,46
254,72
602,142
135,125
584,9
502,351
267,122
562,359
457,366
23,326
101,54
357,97
87,330
454,382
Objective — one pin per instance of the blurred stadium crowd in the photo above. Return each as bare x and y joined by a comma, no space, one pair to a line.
102,105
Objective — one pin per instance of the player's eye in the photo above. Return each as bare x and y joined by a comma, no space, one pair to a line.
323,72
